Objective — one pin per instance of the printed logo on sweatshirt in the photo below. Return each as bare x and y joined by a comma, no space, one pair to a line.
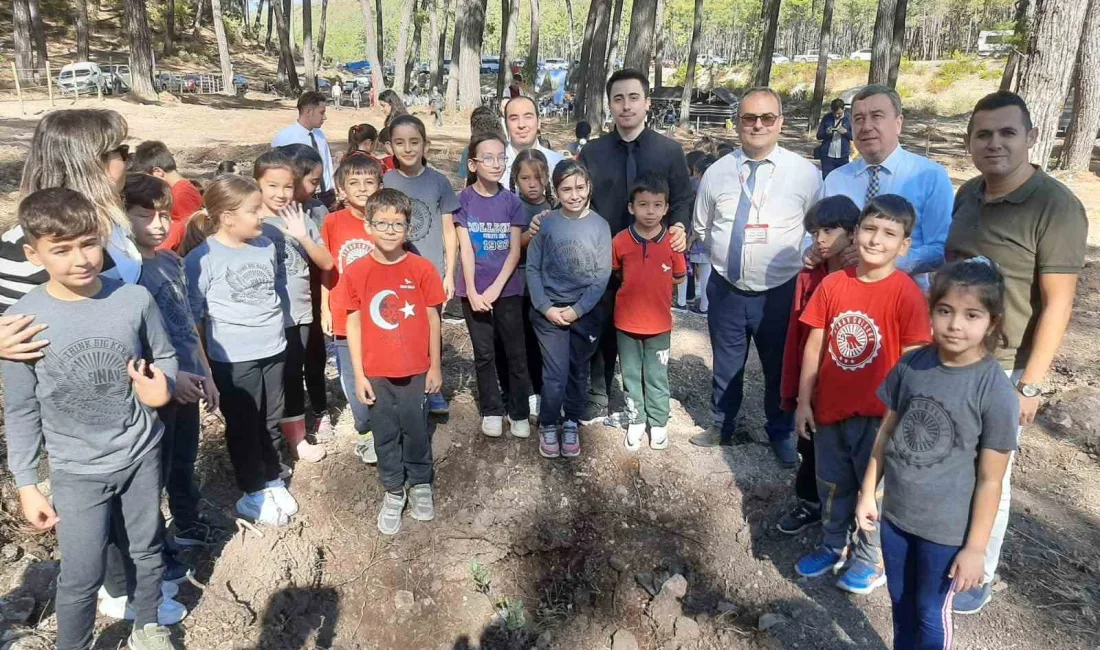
926,433
252,283
387,311
93,386
291,257
570,260
854,340
352,250
420,223
171,301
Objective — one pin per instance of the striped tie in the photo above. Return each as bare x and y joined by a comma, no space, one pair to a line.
872,184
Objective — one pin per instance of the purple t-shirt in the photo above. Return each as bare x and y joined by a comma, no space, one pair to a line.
489,221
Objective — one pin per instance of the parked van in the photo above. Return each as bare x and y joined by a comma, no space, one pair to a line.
84,77
995,42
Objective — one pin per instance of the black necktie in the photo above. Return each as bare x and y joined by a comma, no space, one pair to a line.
631,165
313,141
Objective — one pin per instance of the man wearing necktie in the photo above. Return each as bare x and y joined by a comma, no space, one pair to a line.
307,130
749,216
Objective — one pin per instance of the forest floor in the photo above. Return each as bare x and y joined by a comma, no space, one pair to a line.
529,553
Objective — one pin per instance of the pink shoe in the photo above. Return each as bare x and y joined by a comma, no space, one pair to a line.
310,453
570,439
548,441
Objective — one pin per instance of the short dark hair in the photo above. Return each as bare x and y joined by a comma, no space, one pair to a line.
891,207
227,167
357,163
60,213
626,74
725,148
534,104
583,129
484,120
309,99
274,159
832,212
693,157
146,191
152,154
304,157
1000,99
650,183
703,164
569,167
836,103
384,135
391,199
980,277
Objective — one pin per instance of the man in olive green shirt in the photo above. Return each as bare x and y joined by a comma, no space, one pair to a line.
1035,231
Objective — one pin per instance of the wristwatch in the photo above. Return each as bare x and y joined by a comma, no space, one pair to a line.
1028,390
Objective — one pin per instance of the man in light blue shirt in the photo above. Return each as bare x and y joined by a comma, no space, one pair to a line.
307,130
884,167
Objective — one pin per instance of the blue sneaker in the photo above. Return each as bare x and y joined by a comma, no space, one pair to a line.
437,405
972,601
862,577
823,560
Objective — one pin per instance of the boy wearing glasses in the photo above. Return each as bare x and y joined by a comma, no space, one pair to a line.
393,335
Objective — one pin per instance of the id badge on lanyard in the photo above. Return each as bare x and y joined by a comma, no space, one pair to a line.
755,232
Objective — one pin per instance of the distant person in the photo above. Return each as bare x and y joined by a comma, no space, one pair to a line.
307,130
337,94
583,131
436,103
228,167
392,105
835,134
697,254
153,157
515,89
521,119
356,96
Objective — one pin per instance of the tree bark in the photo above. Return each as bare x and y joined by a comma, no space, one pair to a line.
141,51
380,32
372,50
282,26
259,15
532,69
39,33
897,48
613,39
572,40
199,9
1081,136
824,47
509,18
436,11
469,91
639,45
581,71
1008,77
882,43
169,26
307,44
693,57
270,23
322,31
404,39
596,70
461,8
659,47
244,11
762,72
24,51
1053,41
81,29
223,48
412,74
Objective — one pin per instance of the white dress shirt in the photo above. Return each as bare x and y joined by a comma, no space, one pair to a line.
298,134
786,185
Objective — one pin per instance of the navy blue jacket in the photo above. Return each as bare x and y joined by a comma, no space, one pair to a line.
823,134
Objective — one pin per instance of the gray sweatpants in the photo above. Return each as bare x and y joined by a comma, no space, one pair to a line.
843,451
89,506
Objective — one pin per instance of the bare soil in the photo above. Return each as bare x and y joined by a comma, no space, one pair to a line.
572,552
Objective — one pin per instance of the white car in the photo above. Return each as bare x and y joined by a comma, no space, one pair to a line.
811,57
555,64
861,55
779,58
84,77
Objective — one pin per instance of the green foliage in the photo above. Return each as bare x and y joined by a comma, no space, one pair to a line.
512,612
480,575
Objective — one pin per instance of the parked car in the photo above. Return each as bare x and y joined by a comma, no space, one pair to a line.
779,58
117,77
812,55
85,77
861,55
490,64
555,64
995,42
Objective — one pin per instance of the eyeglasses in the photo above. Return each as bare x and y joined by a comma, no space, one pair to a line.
489,160
389,226
767,119
123,151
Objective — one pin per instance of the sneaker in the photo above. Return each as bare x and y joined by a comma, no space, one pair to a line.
389,516
712,437
170,611
973,600
364,448
150,637
325,430
492,426
593,413
175,571
519,428
285,471
633,438
286,502
570,439
437,405
203,533
533,403
821,561
548,441
167,590
309,453
262,509
798,519
421,503
785,452
862,577
658,438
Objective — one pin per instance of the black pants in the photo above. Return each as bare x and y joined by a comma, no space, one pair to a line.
252,403
534,355
400,420
603,361
805,481
490,331
316,353
303,346
566,355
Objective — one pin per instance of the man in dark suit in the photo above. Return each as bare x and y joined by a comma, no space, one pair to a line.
835,133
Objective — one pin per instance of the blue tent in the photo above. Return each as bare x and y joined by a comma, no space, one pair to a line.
358,67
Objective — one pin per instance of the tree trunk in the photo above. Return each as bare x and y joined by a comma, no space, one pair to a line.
200,7
141,51
596,70
38,29
1053,41
412,74
244,11
282,26
322,31
824,48
169,26
882,42
762,73
659,47
372,50
270,23
81,29
259,15
639,45
897,48
581,71
613,39
572,40
1081,136
1019,31
24,51
509,18
404,39
435,46
223,48
532,69
307,44
379,31
693,57
469,91
461,8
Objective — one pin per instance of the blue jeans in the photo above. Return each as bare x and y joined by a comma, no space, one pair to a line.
359,410
920,591
734,318
566,355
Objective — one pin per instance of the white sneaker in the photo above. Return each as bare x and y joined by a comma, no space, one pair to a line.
634,435
262,508
534,402
492,426
286,502
167,590
170,611
519,428
658,437
249,505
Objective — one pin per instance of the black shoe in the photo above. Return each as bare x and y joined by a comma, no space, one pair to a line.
801,517
175,571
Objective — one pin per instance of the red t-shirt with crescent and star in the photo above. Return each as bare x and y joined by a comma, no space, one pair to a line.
346,239
393,302
867,324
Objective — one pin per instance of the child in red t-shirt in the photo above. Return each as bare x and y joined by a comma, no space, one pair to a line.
862,320
395,350
832,223
642,255
347,236
153,157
